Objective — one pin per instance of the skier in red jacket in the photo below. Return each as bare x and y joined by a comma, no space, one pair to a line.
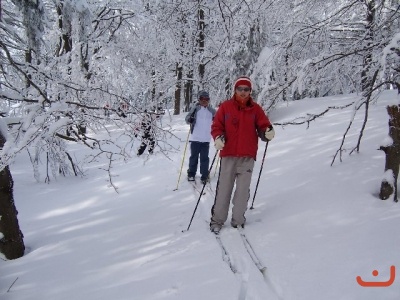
237,125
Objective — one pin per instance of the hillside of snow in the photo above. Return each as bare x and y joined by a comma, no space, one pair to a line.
316,227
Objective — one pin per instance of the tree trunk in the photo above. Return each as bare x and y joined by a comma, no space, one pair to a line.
11,237
369,39
228,88
188,91
201,43
28,60
392,154
154,86
178,88
65,41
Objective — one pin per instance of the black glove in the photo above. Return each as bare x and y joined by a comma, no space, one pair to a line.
191,119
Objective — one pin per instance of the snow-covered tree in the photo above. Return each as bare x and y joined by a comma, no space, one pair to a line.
68,64
327,47
82,61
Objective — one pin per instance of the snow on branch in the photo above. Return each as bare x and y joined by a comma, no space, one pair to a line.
312,117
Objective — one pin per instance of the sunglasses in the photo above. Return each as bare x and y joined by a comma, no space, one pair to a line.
204,99
241,89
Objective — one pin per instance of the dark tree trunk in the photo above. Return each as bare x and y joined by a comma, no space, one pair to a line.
28,59
11,242
153,89
65,44
392,154
178,88
228,88
201,43
188,91
369,39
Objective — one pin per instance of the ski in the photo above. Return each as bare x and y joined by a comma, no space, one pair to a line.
210,189
251,252
225,254
229,258
193,183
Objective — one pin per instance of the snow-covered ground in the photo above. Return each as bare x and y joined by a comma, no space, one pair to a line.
315,227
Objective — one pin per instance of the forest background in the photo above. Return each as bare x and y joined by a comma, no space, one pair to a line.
69,67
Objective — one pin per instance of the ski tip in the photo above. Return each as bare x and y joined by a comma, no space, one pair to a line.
217,232
263,271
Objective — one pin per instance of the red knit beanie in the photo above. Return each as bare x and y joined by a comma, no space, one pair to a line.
243,80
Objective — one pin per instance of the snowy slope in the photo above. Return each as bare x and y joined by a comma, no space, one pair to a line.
314,226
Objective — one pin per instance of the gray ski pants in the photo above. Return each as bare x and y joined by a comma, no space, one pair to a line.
232,169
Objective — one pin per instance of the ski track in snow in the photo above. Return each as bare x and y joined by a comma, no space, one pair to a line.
236,253
253,283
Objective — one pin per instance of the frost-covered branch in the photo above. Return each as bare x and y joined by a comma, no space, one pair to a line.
311,117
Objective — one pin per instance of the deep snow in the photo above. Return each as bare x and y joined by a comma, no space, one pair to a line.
314,226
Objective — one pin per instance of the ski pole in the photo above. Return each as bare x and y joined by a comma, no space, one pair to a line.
201,193
183,159
216,166
259,175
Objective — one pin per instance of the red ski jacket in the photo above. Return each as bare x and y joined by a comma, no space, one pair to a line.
241,127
